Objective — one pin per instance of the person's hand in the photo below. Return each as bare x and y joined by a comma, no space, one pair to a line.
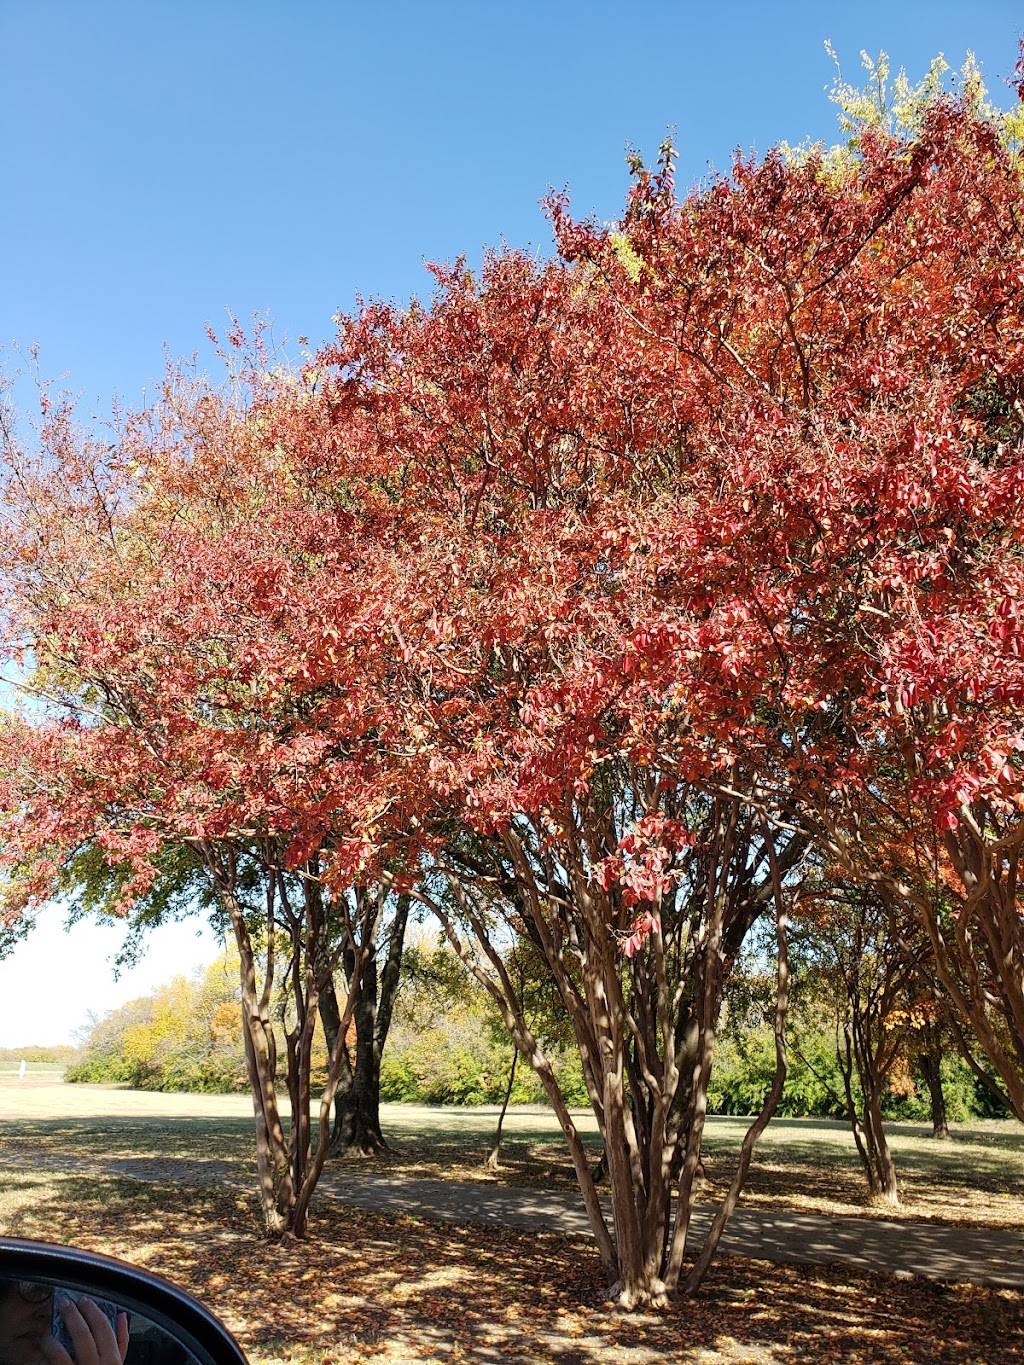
94,1340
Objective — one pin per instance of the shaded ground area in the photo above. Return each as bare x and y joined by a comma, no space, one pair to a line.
805,1166
930,1250
391,1286
378,1287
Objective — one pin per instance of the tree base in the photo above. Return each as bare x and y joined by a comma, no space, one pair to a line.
888,1199
654,1295
363,1148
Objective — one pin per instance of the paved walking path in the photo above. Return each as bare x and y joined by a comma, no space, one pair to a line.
931,1251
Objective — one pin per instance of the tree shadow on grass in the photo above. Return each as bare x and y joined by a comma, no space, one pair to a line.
164,1136
365,1286
974,1180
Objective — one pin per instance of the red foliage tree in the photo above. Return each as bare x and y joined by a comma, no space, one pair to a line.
841,353
713,510
165,601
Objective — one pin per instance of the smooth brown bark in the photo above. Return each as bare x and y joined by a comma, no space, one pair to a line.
728,1205
288,1162
494,1155
644,1024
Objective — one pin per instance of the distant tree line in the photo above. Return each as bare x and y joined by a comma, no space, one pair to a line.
59,1055
185,1035
447,1046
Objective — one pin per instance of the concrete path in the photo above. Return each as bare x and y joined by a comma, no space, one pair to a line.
931,1251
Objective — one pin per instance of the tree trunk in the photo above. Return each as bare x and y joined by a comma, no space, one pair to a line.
931,1070
287,1167
277,1189
867,1128
357,1110
703,1262
882,1168
642,986
357,1129
494,1156
330,1019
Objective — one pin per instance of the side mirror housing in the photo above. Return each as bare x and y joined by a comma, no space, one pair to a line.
163,1319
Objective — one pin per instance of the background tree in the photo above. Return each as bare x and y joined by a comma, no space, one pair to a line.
357,1098
865,970
449,1044
928,1043
185,1035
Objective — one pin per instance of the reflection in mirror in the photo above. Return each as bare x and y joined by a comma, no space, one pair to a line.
47,1324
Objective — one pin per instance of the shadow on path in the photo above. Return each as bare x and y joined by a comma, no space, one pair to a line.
932,1251
928,1250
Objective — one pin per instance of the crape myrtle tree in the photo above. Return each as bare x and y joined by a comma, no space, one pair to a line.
639,938
163,602
927,526
867,974
585,596
841,337
612,822
711,546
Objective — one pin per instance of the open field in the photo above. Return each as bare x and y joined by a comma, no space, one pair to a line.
372,1287
807,1165
34,1068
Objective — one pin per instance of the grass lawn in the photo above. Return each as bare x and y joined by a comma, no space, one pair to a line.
369,1287
807,1165
32,1068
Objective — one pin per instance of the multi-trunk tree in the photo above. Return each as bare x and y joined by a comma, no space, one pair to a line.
844,344
372,990
726,501
161,602
638,924
867,975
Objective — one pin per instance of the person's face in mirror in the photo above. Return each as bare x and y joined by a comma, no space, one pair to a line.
25,1313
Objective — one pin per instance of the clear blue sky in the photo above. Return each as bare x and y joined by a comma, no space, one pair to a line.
162,164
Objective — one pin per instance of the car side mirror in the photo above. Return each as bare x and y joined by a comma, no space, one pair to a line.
166,1325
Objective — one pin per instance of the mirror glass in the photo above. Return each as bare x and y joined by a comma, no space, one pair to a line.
51,1324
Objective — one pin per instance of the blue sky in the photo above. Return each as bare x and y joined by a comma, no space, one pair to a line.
164,164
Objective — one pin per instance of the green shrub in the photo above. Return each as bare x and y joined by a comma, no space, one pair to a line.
744,1071
456,1061
98,1071
966,1097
